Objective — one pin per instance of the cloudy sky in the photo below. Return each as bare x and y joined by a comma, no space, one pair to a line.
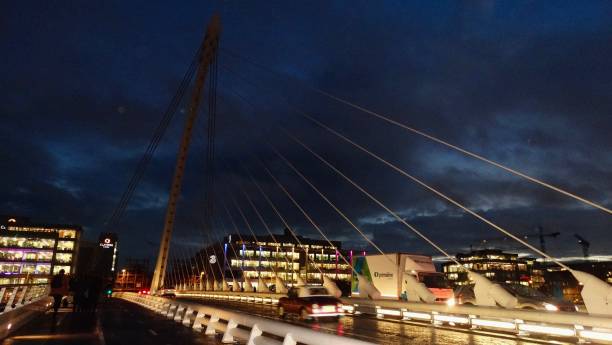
526,83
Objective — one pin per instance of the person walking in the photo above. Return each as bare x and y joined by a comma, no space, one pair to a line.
59,289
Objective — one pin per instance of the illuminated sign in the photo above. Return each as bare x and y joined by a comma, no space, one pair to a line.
212,259
107,243
108,240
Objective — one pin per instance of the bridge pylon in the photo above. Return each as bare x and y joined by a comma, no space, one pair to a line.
208,52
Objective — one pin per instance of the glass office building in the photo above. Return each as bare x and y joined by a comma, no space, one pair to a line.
31,253
266,257
496,265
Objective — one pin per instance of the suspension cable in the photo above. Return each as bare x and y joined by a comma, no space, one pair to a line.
425,135
307,216
260,218
158,134
283,220
435,191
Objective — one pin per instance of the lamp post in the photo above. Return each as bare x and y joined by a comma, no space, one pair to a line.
123,271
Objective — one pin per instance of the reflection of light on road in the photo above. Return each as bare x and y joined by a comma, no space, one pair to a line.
316,326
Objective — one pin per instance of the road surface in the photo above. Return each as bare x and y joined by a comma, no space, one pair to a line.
117,322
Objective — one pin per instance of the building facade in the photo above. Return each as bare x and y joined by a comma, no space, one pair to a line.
30,253
267,257
562,284
133,276
497,266
99,258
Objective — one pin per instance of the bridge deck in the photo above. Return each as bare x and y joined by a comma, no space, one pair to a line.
116,323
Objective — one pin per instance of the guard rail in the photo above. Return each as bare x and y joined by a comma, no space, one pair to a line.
571,326
235,326
23,302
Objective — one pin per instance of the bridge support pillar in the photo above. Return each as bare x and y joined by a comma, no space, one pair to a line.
248,287
597,294
331,287
255,332
227,335
366,289
489,294
289,340
281,287
210,326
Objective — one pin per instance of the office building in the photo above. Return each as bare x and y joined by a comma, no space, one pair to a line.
562,284
267,257
99,258
30,253
497,266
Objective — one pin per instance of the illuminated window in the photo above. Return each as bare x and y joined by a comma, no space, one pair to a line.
28,268
56,269
43,268
11,255
23,242
64,233
10,268
65,245
64,258
45,256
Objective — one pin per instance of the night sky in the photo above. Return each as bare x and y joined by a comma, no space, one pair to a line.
526,83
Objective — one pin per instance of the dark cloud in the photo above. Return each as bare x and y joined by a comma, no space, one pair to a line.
526,84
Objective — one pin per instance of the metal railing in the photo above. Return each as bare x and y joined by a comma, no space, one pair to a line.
569,325
235,326
15,296
19,304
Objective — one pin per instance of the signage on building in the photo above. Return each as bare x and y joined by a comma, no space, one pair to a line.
107,243
108,240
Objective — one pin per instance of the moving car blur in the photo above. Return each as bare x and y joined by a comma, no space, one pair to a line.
310,302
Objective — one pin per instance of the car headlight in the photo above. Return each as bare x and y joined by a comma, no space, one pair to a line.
550,307
451,302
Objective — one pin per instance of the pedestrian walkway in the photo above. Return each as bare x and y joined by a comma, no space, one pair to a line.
117,322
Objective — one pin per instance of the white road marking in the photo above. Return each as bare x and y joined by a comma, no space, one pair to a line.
152,332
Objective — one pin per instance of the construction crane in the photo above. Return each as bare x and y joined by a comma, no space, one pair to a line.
208,53
584,244
540,234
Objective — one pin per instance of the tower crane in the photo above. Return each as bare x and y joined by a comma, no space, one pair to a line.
540,234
